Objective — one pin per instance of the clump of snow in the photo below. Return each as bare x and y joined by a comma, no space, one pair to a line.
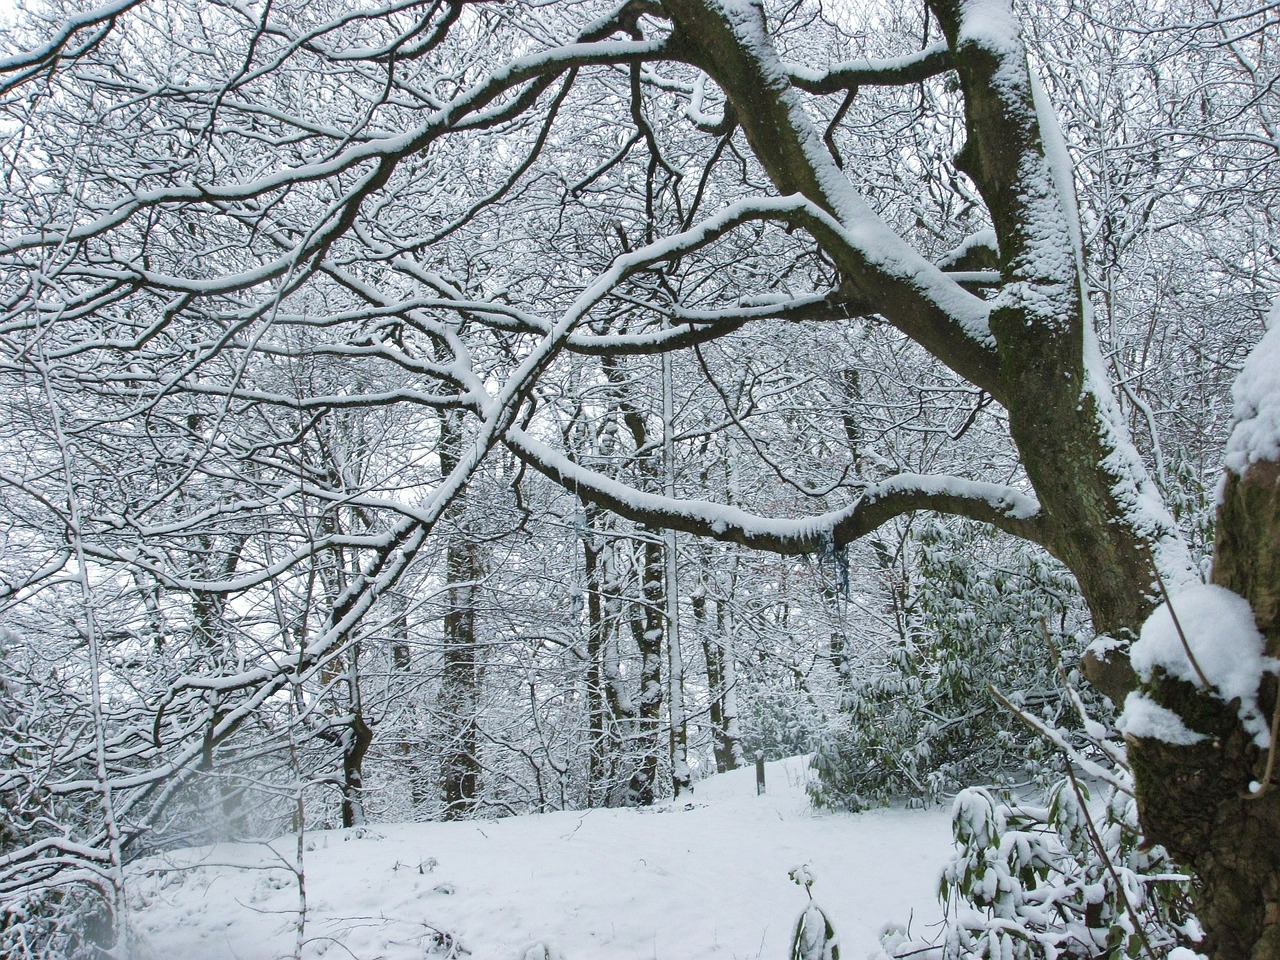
977,818
982,240
991,25
803,875
1218,627
1144,718
1256,435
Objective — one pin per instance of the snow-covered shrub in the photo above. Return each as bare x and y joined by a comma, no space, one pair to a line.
918,721
814,937
1067,879
53,925
778,718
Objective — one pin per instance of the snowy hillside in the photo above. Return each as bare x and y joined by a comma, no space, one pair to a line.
694,881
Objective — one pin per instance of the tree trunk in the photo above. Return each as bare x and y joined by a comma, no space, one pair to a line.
463,668
408,742
605,703
1196,799
717,653
647,626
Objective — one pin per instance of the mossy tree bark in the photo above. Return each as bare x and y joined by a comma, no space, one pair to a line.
1208,802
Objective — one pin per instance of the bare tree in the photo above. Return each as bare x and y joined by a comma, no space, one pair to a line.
456,199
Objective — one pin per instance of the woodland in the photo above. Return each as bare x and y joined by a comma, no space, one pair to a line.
435,409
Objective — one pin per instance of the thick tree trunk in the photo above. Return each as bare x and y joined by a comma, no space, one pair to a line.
460,770
1197,800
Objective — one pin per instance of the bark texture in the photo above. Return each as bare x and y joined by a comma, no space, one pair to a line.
463,668
1197,800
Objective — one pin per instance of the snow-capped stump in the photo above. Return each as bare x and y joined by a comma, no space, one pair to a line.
1204,634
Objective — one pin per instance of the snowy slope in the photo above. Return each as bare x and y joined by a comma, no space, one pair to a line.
704,879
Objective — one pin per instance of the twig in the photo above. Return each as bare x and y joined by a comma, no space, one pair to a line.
1070,752
1177,625
1265,786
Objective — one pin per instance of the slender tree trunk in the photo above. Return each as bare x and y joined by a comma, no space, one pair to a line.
717,654
678,754
597,704
647,625
607,702
357,736
408,743
463,669
681,776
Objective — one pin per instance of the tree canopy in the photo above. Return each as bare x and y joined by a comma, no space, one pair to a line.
303,306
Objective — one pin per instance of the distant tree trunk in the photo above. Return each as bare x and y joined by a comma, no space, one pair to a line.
647,627
463,670
460,685
357,736
408,743
648,619
216,647
729,742
717,653
606,702
681,775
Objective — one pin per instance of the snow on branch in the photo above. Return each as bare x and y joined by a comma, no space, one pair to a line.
472,109
27,64
1002,506
912,68
1256,435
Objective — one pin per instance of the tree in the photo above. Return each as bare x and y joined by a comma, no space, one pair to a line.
460,199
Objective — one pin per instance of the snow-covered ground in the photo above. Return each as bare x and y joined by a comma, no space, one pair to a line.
702,880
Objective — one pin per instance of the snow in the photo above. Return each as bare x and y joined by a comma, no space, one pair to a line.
701,879
706,516
1256,435
1219,627
981,240
1144,718
991,24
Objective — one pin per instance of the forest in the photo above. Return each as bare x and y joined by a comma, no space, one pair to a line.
443,410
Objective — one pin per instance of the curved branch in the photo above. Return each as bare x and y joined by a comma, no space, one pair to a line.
1003,507
876,264
898,71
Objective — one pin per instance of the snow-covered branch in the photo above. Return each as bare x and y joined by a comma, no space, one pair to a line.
1001,506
